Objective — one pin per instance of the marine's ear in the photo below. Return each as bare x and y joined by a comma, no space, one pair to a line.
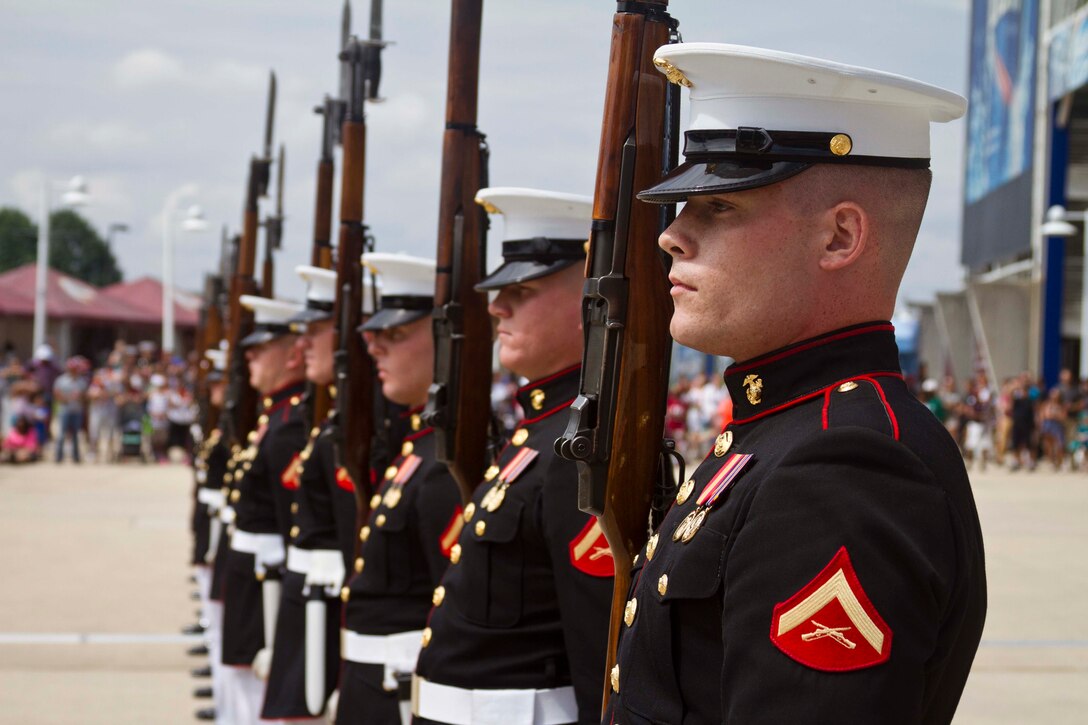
846,234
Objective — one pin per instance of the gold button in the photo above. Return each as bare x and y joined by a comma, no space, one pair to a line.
268,402
614,676
235,496
629,611
375,501
263,420
470,511
426,636
520,436
364,533
294,531
345,594
663,584
416,421
651,547
685,491
438,596
635,560
315,431
491,472
723,443
481,527
380,521
252,436
295,400
227,478
359,564
294,507
848,386
455,553
259,575
407,448
840,144
390,472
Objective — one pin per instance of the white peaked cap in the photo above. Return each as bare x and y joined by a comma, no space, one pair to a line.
402,275
270,311
218,359
765,106
320,284
531,213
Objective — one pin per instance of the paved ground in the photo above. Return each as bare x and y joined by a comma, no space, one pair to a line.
75,543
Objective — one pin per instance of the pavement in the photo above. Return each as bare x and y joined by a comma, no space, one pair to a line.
89,631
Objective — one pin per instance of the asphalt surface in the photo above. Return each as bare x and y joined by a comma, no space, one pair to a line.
96,588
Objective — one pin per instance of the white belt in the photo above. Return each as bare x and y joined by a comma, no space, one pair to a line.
397,652
299,560
211,497
267,549
458,706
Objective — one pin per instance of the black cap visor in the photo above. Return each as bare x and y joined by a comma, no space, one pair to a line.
519,271
310,314
391,317
705,176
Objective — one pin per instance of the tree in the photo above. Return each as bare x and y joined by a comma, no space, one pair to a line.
18,239
74,246
76,249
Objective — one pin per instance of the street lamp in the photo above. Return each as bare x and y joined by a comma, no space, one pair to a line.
193,222
75,194
113,229
1057,224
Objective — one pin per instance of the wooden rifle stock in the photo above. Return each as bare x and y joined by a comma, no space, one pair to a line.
456,404
321,255
208,336
353,424
617,421
242,398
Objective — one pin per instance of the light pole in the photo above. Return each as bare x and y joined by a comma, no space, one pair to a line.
113,229
194,222
1057,224
76,195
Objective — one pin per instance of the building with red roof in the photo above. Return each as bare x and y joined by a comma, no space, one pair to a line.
88,320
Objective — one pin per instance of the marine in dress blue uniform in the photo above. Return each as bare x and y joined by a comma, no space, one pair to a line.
520,621
415,513
264,485
824,563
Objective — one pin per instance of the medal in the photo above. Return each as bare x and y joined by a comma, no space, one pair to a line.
392,496
495,497
710,494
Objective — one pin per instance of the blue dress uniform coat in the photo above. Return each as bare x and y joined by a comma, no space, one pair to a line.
835,575
414,521
525,602
316,517
210,464
262,505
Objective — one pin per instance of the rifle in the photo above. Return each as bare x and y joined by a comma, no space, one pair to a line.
352,424
462,326
208,337
273,231
242,398
616,424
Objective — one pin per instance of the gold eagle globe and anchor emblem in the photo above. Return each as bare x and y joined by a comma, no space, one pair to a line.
753,388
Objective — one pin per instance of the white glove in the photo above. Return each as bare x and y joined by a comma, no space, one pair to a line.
226,515
326,571
262,663
331,707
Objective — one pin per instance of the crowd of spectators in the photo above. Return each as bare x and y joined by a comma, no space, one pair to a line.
133,405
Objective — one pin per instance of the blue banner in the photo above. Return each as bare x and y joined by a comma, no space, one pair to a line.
1000,115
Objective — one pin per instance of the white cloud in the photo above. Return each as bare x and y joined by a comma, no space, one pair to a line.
147,67
84,136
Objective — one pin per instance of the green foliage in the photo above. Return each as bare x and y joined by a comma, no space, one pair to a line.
76,249
18,239
74,246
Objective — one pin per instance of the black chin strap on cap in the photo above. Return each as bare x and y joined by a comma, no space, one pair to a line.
543,249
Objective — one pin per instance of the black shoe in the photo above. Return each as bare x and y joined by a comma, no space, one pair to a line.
192,578
198,651
202,692
195,596
201,672
207,713
195,628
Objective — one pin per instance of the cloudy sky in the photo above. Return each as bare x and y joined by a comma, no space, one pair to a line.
142,98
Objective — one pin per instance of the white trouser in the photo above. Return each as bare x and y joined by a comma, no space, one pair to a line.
243,695
458,706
